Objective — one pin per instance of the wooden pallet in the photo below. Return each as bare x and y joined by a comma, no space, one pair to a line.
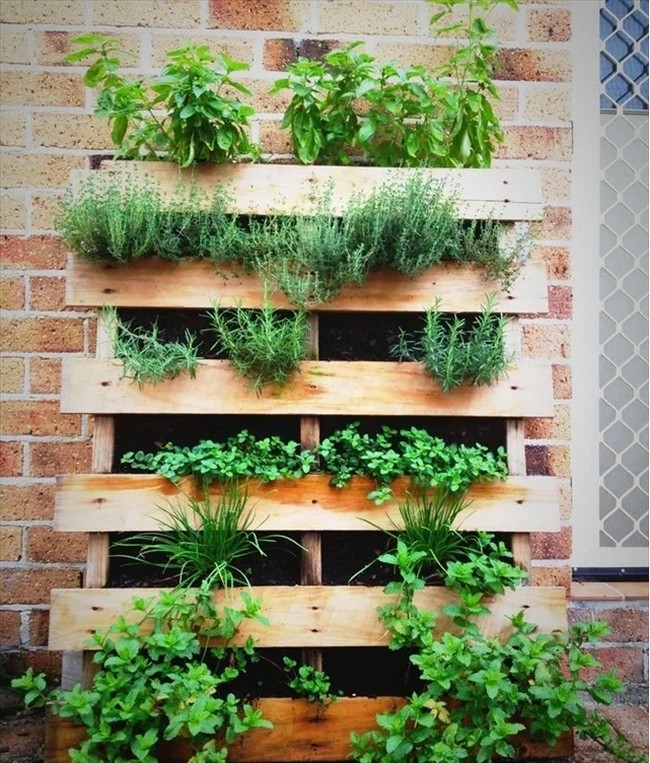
310,616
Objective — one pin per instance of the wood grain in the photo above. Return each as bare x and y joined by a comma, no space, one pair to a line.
301,732
261,189
136,502
196,285
322,387
302,616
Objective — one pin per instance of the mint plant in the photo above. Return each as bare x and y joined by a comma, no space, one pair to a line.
158,681
478,692
201,120
309,683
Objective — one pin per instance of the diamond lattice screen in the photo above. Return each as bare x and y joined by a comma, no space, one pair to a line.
623,331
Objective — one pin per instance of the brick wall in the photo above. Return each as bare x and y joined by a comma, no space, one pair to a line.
47,129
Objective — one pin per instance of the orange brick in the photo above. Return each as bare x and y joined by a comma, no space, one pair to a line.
542,340
549,25
148,13
44,544
45,376
279,15
548,104
413,54
562,389
72,131
44,209
273,140
551,545
47,293
39,623
555,224
523,64
11,459
33,586
556,428
51,458
26,502
50,12
12,375
32,252
51,47
548,460
370,17
560,302
23,417
537,143
20,170
11,541
42,335
279,53
12,129
263,102
42,89
9,628
12,293
13,47
238,48
557,260
551,576
13,212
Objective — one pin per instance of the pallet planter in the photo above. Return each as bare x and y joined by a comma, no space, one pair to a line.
310,616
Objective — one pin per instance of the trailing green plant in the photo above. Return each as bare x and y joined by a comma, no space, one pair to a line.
414,453
309,683
187,114
455,353
158,681
240,457
263,345
146,357
348,107
202,541
477,691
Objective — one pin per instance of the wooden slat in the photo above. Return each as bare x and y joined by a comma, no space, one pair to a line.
321,388
132,503
195,285
261,189
301,732
302,616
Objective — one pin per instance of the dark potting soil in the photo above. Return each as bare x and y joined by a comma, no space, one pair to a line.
363,336
349,558
370,671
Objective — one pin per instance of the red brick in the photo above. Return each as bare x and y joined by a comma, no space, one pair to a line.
562,382
278,15
11,459
42,335
558,427
51,458
32,253
549,25
522,64
626,661
9,628
630,721
16,663
551,545
47,293
39,623
557,261
45,376
279,53
38,418
548,460
12,293
44,544
21,586
628,625
26,502
24,737
551,576
560,302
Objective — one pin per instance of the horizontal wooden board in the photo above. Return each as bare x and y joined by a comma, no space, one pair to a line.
137,502
321,388
261,189
197,285
301,732
302,616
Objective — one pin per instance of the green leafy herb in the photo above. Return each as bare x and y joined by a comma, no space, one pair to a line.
309,683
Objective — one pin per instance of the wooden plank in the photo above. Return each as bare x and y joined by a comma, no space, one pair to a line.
136,502
321,388
302,616
261,189
301,732
195,285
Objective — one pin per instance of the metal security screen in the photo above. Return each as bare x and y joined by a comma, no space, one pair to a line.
623,327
